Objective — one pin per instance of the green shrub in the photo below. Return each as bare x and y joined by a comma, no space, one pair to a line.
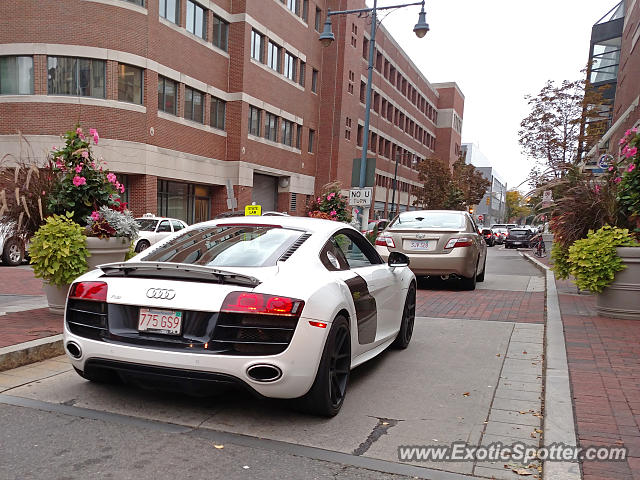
594,260
560,259
58,250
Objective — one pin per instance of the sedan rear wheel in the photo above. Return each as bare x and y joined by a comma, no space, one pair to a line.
469,283
408,318
327,393
142,245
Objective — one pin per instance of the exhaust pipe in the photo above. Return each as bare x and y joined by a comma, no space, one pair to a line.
264,373
74,349
445,277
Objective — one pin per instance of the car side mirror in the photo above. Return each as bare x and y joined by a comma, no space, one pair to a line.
397,259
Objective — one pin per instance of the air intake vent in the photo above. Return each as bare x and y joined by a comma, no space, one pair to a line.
293,204
294,247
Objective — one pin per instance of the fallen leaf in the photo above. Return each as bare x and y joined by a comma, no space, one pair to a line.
466,394
533,435
385,423
497,354
246,467
538,430
523,412
524,352
521,471
434,439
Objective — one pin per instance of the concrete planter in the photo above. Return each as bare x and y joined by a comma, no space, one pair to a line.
621,299
56,296
106,250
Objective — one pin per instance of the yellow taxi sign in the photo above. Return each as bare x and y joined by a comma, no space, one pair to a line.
253,210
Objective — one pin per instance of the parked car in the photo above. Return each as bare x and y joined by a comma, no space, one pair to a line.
285,306
153,229
439,243
518,237
380,225
12,247
488,236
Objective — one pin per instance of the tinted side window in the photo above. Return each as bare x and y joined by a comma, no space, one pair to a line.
164,226
177,225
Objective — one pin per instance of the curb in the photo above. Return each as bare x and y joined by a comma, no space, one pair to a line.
559,424
25,353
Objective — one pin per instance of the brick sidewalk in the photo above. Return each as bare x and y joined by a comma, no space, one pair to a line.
27,325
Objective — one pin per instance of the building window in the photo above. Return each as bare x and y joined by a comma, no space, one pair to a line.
218,112
286,132
170,10
196,20
270,126
318,21
254,121
273,56
289,66
167,94
130,84
303,70
220,33
76,76
312,138
16,75
257,46
193,105
305,10
314,81
298,137
137,2
294,6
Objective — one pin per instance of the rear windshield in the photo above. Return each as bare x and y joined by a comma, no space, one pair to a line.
444,220
227,246
518,233
498,225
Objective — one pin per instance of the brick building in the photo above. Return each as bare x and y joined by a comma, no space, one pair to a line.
192,97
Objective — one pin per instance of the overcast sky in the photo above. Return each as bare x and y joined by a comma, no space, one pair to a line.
498,51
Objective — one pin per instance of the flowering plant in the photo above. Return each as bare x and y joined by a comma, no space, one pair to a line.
629,179
85,188
330,205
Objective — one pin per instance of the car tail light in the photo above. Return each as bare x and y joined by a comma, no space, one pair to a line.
385,240
95,291
458,242
261,304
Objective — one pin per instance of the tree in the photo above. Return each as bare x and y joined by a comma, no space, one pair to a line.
514,206
553,133
450,191
470,182
436,179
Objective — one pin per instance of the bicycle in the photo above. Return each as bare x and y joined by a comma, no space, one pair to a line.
540,248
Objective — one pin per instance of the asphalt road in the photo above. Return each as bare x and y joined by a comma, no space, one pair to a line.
460,379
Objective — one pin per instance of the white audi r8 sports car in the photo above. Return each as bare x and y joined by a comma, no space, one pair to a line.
285,306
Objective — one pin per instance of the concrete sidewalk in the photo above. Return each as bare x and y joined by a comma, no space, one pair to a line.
28,331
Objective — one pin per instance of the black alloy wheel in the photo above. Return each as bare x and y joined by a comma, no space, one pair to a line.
328,391
403,338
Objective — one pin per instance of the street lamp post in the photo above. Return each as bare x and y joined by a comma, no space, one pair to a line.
326,38
395,182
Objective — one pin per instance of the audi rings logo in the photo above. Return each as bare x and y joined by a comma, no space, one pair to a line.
161,293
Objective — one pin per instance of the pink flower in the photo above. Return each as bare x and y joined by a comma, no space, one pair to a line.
622,141
43,193
95,216
94,132
333,213
54,148
59,164
611,168
121,188
617,179
331,195
111,177
627,133
79,132
318,199
597,188
85,154
78,169
631,167
631,152
77,181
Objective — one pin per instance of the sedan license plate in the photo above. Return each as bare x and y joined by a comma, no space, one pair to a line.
152,320
416,244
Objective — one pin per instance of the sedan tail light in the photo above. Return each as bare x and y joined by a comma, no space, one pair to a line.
262,304
96,291
385,240
458,242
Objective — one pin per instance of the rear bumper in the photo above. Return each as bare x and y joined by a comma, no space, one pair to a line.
298,363
460,261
